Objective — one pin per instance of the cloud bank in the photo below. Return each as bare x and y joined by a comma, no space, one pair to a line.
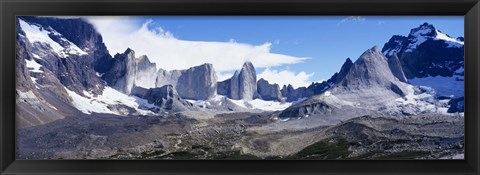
286,77
352,19
170,53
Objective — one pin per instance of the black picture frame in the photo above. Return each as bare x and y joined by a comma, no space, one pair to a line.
470,9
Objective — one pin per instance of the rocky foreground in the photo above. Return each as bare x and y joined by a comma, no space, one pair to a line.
242,136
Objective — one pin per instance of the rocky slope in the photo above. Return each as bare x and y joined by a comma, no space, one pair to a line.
165,98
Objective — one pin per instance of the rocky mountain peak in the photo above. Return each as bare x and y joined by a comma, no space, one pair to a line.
370,56
369,83
248,66
242,85
348,61
268,91
425,29
344,70
395,45
129,51
247,81
426,52
127,71
370,71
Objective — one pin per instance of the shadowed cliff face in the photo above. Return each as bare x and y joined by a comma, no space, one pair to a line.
128,71
72,64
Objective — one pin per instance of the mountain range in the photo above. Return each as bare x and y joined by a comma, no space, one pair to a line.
64,68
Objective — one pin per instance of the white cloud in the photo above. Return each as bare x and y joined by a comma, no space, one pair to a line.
168,52
223,76
352,19
286,77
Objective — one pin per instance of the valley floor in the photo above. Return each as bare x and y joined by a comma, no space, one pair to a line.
242,136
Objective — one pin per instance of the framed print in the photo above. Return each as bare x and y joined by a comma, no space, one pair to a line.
239,87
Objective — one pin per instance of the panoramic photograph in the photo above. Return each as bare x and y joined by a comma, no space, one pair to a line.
240,87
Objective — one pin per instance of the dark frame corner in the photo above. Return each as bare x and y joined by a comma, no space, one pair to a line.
10,8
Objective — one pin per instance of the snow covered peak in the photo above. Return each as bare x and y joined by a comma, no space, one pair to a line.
394,45
419,35
451,41
48,36
425,29
426,32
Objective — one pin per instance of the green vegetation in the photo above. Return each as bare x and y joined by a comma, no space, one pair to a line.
322,150
405,155
233,155
182,155
151,154
368,155
336,149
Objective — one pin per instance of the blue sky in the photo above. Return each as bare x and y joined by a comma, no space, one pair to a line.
325,40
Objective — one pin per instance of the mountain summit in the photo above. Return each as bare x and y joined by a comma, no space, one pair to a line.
368,85
370,75
242,85
426,51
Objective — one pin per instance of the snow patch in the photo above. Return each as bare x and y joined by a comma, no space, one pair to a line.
74,49
419,39
460,70
424,102
269,105
299,100
200,103
327,93
258,104
450,41
416,42
110,96
36,33
443,86
33,66
36,56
